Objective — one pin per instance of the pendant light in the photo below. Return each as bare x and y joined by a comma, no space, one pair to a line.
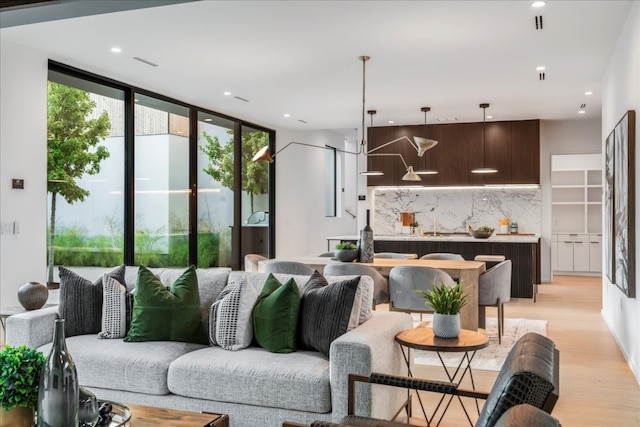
484,169
427,141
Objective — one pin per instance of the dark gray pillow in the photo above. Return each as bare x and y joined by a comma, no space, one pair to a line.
327,311
81,301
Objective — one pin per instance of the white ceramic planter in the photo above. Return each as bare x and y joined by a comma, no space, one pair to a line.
446,325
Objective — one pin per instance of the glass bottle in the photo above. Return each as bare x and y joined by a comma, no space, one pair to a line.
58,393
366,242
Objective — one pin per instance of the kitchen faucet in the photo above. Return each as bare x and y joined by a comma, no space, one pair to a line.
435,227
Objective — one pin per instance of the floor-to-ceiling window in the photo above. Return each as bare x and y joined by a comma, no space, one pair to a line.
255,194
85,142
215,190
161,183
164,183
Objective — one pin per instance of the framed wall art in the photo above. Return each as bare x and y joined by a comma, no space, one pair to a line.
623,233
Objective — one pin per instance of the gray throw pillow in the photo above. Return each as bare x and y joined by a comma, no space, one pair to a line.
81,301
327,311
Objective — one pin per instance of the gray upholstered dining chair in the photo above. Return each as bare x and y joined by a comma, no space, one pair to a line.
329,254
443,256
494,290
287,267
405,279
380,283
251,262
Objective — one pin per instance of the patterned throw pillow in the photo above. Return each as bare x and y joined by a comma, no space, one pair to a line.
81,301
230,318
117,306
327,311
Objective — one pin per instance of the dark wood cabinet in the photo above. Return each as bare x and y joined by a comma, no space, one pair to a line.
525,152
512,147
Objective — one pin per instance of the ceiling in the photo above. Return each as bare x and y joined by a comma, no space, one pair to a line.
301,57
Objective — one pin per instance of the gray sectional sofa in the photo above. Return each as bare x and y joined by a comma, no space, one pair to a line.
253,386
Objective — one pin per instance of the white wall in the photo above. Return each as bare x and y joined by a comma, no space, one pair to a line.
301,224
23,154
621,92
561,137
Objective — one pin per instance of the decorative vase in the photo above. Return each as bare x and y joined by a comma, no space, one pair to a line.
366,242
33,295
346,255
18,416
88,407
58,394
446,325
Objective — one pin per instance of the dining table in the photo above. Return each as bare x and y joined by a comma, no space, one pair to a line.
466,272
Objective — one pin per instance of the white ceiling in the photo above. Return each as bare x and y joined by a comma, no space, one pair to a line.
301,57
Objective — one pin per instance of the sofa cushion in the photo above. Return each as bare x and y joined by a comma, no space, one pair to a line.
114,364
275,316
81,301
297,381
328,311
162,313
211,281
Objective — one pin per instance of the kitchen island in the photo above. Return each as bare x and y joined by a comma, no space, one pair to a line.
522,250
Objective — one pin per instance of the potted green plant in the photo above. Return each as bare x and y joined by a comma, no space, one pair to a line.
346,252
20,369
446,301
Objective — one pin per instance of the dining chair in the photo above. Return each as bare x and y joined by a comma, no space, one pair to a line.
443,256
287,267
380,283
329,254
494,289
404,280
251,262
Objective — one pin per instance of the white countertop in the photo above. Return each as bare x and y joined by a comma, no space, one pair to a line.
444,238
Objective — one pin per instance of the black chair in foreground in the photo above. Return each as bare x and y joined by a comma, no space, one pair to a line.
529,375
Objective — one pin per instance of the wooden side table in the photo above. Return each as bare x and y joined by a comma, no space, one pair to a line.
467,342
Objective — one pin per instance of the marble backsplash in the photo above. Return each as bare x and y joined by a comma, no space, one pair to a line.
456,208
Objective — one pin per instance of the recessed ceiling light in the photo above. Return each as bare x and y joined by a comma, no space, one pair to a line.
208,119
227,93
581,112
588,92
116,49
538,3
287,115
541,68
391,122
489,117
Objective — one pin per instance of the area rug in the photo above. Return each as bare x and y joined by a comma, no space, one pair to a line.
492,357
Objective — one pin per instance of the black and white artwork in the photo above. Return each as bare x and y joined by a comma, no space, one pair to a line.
608,245
624,204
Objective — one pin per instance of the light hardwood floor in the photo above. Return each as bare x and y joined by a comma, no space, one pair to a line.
597,387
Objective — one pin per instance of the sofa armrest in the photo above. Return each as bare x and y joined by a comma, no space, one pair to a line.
371,347
33,328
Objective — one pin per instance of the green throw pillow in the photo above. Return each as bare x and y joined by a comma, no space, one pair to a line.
275,316
166,313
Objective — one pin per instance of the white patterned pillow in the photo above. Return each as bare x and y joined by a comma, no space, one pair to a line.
230,317
117,305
